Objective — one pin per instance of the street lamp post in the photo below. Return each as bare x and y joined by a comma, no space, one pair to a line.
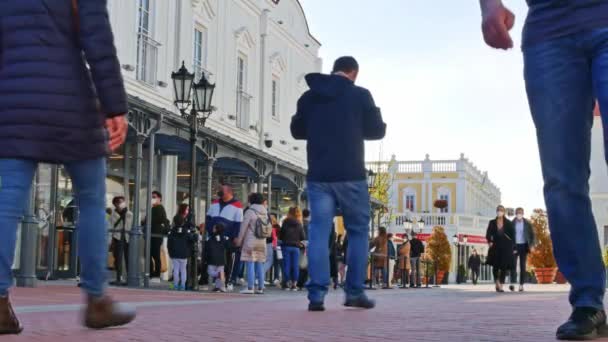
456,241
196,112
371,184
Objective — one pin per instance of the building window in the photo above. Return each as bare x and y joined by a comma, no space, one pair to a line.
243,99
410,202
445,197
147,48
199,53
275,98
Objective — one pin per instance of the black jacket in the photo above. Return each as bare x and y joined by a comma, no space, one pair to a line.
215,250
474,262
335,117
416,248
160,223
292,233
502,241
180,243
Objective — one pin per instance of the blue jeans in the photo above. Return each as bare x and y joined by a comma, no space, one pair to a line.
353,199
564,76
89,179
291,264
255,270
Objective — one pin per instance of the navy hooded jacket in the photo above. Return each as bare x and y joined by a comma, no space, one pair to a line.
335,117
51,107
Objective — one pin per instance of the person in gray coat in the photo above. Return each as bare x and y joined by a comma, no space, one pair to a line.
524,242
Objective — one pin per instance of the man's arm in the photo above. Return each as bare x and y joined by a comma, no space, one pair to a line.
497,21
373,126
298,121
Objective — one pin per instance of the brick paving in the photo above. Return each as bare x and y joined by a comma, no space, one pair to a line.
464,313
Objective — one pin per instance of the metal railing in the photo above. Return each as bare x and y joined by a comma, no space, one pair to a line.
147,59
439,219
243,109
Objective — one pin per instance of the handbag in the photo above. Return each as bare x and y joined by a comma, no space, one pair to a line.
111,260
303,260
164,261
279,253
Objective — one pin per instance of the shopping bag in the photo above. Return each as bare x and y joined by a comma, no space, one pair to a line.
164,260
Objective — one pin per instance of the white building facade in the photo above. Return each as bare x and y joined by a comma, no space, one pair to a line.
256,52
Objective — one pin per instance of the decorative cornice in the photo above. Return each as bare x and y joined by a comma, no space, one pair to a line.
245,37
278,62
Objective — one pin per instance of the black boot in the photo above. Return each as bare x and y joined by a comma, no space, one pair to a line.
360,302
584,324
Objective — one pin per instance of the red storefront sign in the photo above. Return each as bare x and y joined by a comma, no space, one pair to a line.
471,239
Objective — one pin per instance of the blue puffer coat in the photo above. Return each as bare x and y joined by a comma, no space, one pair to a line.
51,108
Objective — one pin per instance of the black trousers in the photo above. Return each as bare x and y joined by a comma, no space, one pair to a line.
120,252
521,256
499,274
475,275
155,263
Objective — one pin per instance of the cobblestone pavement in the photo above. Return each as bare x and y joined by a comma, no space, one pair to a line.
455,313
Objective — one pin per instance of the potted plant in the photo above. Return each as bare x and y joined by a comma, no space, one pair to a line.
440,251
440,204
541,258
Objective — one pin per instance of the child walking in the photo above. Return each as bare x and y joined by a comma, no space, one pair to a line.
215,253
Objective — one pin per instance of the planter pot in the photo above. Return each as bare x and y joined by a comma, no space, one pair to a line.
545,275
560,279
440,276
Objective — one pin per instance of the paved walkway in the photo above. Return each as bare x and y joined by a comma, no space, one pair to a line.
463,313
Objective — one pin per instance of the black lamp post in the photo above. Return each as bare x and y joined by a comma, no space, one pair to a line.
456,241
196,111
371,184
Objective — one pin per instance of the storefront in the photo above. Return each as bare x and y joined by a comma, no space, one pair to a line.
219,159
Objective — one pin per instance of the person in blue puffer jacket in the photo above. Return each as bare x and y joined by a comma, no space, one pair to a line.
55,109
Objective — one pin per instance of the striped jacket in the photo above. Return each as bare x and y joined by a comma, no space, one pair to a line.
229,214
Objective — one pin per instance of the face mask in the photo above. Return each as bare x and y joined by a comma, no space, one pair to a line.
520,216
154,201
500,213
220,194
122,205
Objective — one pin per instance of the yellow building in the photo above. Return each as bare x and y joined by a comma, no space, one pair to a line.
470,195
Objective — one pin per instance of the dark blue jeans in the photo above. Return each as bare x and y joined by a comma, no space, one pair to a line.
564,77
353,199
89,179
291,264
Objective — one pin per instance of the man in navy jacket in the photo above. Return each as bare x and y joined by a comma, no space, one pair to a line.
335,117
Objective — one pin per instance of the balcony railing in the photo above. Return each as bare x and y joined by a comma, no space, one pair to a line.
147,59
437,219
243,109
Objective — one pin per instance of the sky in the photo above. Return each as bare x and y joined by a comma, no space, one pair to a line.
442,91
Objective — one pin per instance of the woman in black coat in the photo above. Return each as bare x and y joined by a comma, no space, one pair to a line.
501,238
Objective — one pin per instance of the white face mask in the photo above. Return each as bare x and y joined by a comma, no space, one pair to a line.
154,201
520,216
500,213
122,205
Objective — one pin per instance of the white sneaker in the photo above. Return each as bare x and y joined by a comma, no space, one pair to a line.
241,281
247,291
229,288
260,291
277,283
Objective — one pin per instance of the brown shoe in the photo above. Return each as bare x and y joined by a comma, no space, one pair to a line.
9,324
103,313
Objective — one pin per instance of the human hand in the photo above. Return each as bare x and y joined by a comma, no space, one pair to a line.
117,129
497,21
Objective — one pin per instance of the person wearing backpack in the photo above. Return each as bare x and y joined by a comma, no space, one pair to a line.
255,229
